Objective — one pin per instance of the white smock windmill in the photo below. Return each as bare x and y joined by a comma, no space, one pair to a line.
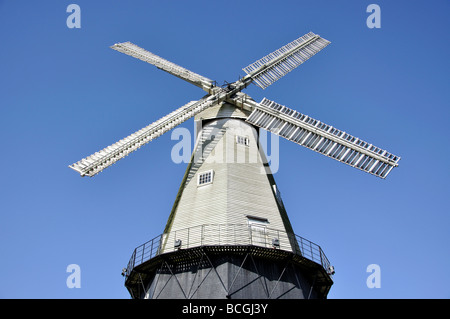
228,222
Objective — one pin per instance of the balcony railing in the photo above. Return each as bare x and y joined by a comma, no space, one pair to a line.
227,234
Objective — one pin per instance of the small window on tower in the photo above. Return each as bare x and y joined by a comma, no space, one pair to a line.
253,220
243,140
205,178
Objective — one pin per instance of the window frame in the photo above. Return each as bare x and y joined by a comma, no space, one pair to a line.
244,139
200,175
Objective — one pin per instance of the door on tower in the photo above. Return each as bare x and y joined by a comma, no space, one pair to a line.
258,231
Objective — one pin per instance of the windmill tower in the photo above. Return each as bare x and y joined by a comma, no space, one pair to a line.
228,234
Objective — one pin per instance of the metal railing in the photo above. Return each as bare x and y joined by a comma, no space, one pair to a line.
227,234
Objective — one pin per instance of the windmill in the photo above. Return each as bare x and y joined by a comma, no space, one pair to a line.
228,234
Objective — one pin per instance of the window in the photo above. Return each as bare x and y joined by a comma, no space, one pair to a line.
243,140
205,178
253,220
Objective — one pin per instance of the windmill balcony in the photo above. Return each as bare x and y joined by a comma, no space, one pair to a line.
236,238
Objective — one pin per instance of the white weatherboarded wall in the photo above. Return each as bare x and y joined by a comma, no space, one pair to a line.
218,213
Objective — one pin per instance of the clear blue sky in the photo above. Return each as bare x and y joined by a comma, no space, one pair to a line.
65,94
